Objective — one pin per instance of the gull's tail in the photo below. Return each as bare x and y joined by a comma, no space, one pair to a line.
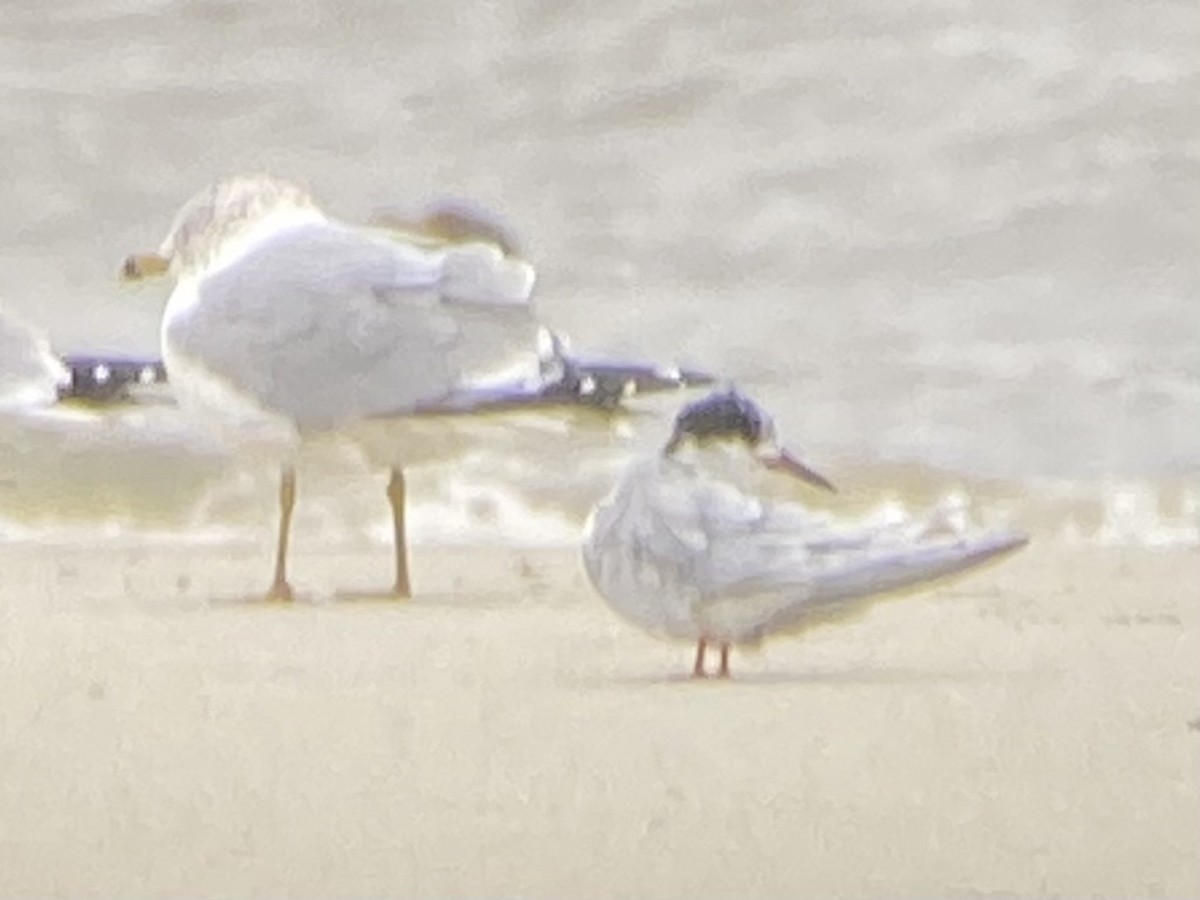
450,220
569,383
481,273
606,383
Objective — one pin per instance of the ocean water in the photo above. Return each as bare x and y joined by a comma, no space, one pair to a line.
951,244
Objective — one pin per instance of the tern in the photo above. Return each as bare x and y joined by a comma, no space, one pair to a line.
287,326
684,548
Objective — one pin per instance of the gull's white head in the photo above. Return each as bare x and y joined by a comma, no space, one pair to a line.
730,423
214,218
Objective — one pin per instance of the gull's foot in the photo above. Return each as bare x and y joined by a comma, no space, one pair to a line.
391,595
723,671
279,592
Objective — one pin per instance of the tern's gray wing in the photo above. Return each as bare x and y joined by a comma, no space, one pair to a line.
328,325
784,567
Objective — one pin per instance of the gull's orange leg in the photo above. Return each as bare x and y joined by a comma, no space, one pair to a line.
280,590
698,668
395,493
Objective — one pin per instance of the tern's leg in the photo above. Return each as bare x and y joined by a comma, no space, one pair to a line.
280,589
723,672
395,493
698,668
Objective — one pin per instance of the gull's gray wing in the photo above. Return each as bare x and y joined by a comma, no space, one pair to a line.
112,380
109,380
327,325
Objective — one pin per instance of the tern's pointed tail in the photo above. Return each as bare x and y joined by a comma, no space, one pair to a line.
906,566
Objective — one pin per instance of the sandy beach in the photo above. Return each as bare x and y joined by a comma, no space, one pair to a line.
1032,731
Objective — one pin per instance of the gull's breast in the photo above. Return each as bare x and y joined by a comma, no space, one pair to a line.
231,415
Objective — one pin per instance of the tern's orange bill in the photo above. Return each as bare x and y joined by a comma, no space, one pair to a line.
783,461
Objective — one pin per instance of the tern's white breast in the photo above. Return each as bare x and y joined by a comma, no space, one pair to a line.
639,551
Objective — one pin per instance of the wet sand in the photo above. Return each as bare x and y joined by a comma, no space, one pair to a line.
1032,730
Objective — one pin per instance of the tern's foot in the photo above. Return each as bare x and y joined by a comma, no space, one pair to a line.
279,592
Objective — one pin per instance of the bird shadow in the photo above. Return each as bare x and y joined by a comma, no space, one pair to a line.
367,599
262,601
867,677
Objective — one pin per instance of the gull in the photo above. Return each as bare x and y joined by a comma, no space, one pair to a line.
31,376
684,548
286,326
